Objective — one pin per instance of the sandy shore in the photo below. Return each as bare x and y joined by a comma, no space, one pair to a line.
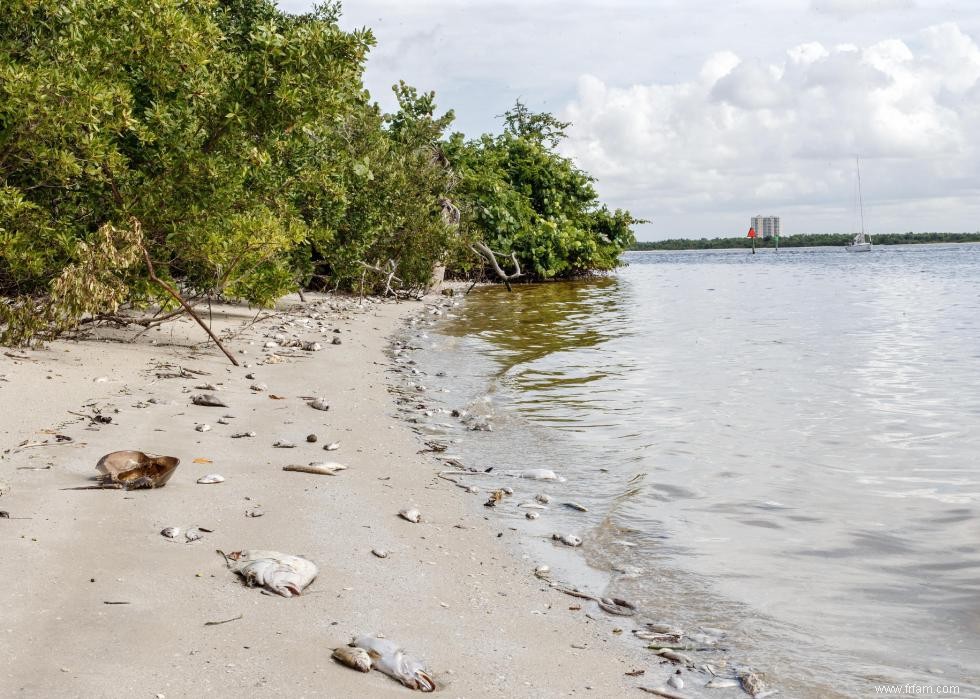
450,591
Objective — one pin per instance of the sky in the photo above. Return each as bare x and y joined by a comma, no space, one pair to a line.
698,114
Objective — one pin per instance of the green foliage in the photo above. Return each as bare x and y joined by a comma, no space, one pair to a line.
235,145
520,196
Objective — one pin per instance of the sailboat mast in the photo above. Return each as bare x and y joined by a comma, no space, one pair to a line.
857,160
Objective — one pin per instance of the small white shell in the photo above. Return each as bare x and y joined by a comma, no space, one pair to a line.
508,490
542,498
542,570
319,404
170,532
204,427
333,446
380,553
411,514
239,435
211,478
283,444
531,515
312,346
193,534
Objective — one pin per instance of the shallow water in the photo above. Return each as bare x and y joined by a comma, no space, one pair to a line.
786,446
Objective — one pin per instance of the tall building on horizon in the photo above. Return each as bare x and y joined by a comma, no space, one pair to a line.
766,226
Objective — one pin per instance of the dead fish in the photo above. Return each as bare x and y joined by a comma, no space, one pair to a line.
575,506
277,572
539,474
134,469
241,435
532,506
319,404
412,515
392,661
170,532
357,658
211,478
209,400
567,539
721,683
333,446
323,468
283,444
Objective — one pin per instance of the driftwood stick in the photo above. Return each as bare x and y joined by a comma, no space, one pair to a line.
187,307
490,256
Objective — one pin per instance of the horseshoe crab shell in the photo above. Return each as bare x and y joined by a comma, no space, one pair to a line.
390,659
281,573
134,469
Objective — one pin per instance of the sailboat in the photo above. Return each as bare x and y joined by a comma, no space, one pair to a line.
860,243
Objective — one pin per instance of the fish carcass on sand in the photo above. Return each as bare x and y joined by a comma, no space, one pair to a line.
277,572
389,658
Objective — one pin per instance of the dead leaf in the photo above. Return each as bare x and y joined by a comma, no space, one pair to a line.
202,460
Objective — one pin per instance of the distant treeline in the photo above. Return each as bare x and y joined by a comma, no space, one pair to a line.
805,240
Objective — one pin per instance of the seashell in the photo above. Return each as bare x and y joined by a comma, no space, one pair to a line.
390,659
271,345
380,553
170,532
312,346
209,400
134,469
531,515
472,489
250,377
256,512
335,341
567,539
222,421
283,444
676,682
203,428
539,474
258,387
240,435
333,446
357,658
281,573
542,570
311,438
211,478
721,683
323,468
752,683
412,515
543,499
575,506
193,534
319,404
508,490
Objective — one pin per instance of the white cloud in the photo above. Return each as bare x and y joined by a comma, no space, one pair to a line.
747,136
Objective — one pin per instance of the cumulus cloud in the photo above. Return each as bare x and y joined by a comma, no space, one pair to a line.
747,136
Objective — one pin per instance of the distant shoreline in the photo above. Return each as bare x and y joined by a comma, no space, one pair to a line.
804,241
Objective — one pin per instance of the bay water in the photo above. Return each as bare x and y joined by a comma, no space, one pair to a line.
783,445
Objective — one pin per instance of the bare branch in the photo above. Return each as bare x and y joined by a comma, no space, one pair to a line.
490,256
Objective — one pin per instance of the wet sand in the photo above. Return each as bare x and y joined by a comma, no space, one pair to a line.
451,591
